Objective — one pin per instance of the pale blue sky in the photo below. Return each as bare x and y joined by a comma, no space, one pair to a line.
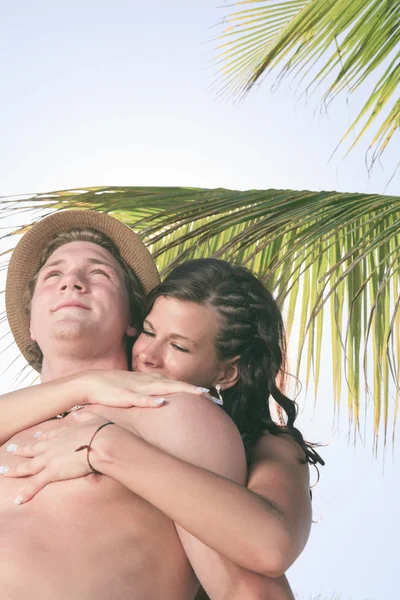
117,93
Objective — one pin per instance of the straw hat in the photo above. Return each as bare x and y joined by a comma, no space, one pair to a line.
25,260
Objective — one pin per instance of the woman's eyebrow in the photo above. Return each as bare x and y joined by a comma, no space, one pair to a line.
182,337
172,335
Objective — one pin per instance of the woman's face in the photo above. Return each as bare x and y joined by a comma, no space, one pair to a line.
178,342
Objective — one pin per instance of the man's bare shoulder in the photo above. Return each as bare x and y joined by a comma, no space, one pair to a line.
190,410
197,430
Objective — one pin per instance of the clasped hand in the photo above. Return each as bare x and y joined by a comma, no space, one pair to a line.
54,457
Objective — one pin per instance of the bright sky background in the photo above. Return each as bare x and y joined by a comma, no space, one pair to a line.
118,93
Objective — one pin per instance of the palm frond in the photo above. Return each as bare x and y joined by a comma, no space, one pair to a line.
344,43
338,254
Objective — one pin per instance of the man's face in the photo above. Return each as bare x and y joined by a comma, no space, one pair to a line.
80,297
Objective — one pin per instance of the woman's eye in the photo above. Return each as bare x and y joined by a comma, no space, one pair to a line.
180,348
148,333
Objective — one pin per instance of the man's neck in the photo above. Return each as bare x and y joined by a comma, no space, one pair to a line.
58,367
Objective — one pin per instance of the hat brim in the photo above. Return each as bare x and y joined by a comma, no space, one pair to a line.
25,260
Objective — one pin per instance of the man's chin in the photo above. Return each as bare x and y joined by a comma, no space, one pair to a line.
69,330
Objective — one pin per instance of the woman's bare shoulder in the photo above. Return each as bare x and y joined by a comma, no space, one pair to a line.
280,458
282,446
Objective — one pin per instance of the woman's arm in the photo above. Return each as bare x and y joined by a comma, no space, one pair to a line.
243,584
29,406
123,456
262,529
278,476
223,515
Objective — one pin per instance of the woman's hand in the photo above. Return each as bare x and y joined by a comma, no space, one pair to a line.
124,389
55,457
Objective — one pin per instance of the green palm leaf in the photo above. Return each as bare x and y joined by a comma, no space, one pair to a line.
334,43
322,253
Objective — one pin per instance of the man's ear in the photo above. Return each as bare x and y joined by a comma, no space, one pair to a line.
33,337
131,331
229,374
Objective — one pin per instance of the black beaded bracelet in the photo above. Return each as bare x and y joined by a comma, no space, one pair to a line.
89,446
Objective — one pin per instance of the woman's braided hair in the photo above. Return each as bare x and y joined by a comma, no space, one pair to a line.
252,329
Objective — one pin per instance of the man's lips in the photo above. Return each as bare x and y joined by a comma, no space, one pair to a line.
71,304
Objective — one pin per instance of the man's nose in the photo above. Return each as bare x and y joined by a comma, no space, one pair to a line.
73,281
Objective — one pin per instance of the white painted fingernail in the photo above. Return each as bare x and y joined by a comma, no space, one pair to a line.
18,500
159,401
203,390
36,435
12,447
4,470
216,400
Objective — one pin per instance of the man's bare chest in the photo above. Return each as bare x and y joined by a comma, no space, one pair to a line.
81,494
78,526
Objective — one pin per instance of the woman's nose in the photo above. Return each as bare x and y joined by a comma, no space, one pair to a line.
151,354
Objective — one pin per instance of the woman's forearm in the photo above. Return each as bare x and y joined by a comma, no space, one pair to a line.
252,586
112,388
225,516
27,407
